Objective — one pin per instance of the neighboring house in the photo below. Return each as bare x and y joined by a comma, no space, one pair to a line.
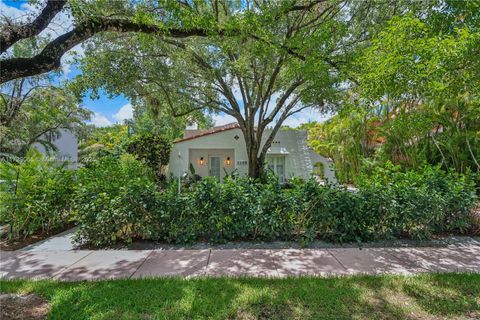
221,150
66,144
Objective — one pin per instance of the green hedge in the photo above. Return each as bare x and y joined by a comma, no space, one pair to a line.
113,200
116,200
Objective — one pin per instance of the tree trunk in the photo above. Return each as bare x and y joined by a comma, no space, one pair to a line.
255,165
253,168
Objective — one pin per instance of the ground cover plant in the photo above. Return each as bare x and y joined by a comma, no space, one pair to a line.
424,296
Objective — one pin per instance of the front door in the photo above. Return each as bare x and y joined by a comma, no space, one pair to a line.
215,167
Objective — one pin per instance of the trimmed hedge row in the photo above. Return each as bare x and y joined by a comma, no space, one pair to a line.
116,200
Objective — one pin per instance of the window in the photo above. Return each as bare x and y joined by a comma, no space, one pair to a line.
319,170
277,165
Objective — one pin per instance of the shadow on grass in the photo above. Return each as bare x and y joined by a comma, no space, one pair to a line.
358,297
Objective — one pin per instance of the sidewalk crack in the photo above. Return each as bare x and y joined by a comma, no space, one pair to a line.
208,259
334,257
67,267
141,264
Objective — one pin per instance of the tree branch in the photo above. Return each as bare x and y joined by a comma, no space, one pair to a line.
282,100
11,34
49,58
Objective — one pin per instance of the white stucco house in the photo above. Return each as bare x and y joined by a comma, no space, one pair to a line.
221,150
65,141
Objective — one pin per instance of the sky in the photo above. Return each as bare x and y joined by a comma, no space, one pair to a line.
109,110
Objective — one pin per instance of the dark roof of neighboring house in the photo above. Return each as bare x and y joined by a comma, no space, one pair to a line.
193,134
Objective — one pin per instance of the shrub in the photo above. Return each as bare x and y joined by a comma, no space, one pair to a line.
113,200
334,214
417,203
238,208
117,200
35,194
154,150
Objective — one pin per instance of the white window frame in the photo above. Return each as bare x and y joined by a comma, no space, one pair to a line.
273,163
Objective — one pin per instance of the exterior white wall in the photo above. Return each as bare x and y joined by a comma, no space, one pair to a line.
203,169
66,144
179,158
298,162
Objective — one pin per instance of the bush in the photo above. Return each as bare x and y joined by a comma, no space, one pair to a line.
238,208
154,150
117,201
35,195
417,204
113,200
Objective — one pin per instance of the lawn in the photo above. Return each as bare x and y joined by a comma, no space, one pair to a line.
424,296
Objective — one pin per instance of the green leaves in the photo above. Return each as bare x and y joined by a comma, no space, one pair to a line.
412,58
35,195
32,111
154,150
113,200
389,204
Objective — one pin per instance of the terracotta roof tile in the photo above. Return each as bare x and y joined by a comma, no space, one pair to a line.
193,134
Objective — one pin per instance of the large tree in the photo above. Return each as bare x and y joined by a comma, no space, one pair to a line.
254,79
278,65
428,67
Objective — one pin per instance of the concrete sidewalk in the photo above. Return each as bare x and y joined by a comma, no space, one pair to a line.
58,242
114,264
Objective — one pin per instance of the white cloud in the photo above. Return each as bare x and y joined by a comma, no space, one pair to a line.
17,15
66,66
99,120
305,116
125,112
222,119
59,25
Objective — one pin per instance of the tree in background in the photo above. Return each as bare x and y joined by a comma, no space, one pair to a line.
36,114
98,142
289,58
427,79
346,139
34,110
154,150
165,122
417,94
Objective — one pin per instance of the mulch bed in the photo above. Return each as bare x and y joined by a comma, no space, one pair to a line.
23,307
15,244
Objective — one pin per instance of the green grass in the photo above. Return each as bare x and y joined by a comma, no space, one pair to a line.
425,296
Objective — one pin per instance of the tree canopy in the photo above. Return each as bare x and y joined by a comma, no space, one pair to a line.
403,76
165,19
417,98
277,66
33,110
